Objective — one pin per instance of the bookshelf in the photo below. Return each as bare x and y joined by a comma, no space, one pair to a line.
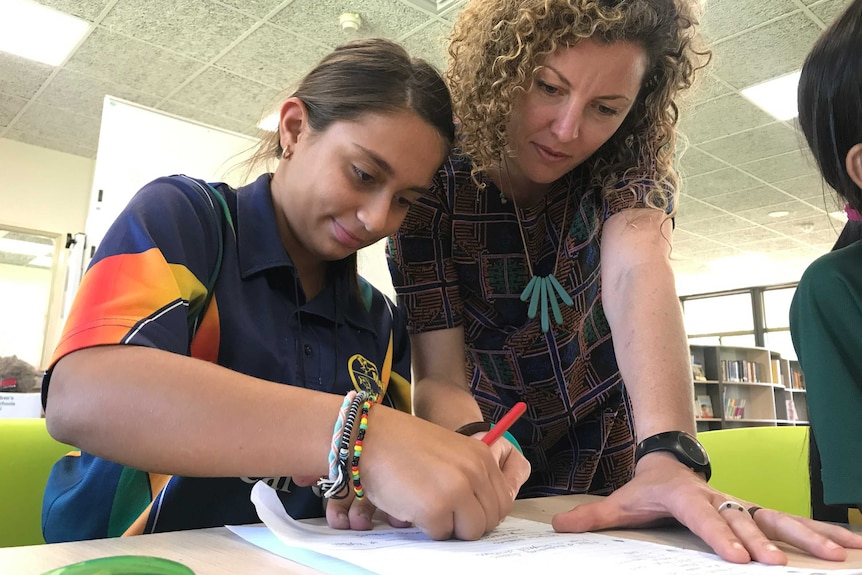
738,386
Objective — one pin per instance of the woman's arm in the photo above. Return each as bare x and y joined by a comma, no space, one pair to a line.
440,391
639,298
649,339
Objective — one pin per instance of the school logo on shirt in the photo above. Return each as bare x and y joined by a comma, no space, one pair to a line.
364,374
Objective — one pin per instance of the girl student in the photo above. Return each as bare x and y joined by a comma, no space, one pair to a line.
180,389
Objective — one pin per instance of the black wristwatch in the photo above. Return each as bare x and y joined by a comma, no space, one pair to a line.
682,445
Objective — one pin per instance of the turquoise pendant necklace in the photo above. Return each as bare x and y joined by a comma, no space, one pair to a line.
542,291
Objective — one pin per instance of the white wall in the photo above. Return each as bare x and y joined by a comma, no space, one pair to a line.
43,190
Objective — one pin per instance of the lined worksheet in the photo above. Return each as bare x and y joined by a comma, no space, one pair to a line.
517,546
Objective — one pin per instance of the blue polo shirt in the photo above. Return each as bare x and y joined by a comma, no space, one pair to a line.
153,267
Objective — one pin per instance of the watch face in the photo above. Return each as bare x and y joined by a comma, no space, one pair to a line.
693,449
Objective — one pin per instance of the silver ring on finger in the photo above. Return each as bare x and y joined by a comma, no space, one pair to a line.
731,505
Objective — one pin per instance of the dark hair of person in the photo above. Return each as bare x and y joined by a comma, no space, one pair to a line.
366,76
830,108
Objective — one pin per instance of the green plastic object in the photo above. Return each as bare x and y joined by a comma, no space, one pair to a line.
124,565
27,454
767,466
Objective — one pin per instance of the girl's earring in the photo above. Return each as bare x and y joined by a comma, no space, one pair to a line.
286,154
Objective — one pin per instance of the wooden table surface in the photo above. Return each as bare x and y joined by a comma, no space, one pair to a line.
217,551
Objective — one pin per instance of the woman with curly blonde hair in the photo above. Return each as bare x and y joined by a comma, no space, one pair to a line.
541,257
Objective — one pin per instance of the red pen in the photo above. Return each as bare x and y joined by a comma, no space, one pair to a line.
505,423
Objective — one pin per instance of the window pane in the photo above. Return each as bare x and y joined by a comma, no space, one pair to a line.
740,340
719,314
776,306
26,269
780,341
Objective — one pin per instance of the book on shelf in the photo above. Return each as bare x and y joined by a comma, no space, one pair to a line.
777,376
791,410
734,408
704,406
697,372
739,370
797,379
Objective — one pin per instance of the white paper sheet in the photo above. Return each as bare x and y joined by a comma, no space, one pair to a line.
517,546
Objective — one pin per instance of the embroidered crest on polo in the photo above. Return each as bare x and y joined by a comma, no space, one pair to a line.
363,374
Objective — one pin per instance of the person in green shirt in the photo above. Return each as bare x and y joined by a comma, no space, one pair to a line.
826,312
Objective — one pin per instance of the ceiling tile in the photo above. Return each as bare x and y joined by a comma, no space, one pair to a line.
234,97
195,113
817,222
761,215
716,183
21,77
168,23
273,57
694,162
782,167
830,10
811,188
723,18
62,142
256,8
430,43
122,60
692,210
721,224
708,121
50,123
84,9
772,50
756,144
9,107
748,199
748,236
769,246
383,18
706,87
85,95
452,12
823,237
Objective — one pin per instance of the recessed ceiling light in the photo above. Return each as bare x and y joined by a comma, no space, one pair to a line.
776,97
778,214
270,123
37,32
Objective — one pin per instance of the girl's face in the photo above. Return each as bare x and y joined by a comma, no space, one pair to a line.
578,100
348,186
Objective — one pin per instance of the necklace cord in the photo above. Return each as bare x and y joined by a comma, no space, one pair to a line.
521,227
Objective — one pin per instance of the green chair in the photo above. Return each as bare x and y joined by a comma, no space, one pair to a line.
27,454
764,465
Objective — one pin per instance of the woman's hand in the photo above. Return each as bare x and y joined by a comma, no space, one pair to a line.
664,488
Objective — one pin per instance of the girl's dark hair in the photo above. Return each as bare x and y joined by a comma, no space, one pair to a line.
368,76
830,101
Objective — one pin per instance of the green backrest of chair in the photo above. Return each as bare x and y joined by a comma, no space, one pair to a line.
764,465
27,454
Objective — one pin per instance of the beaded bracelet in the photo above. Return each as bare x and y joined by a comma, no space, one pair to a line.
333,486
357,450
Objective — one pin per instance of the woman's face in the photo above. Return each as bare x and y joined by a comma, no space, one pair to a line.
576,103
350,185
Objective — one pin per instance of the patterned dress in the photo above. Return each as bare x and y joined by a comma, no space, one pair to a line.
459,260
